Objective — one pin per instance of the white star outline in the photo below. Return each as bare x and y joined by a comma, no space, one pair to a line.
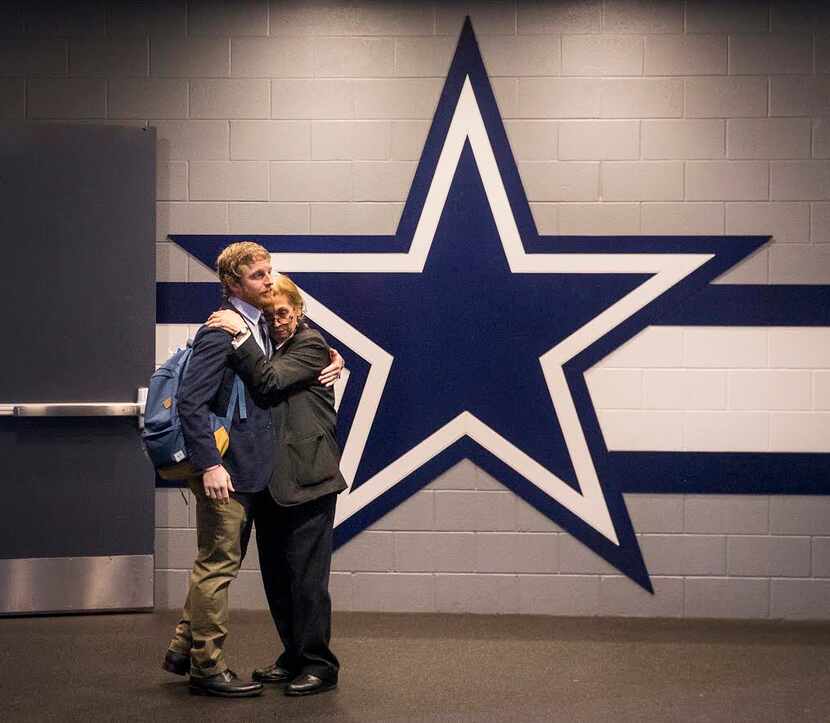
667,269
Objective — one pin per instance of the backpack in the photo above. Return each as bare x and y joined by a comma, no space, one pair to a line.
162,435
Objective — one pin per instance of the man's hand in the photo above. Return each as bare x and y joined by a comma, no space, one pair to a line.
217,484
331,373
228,320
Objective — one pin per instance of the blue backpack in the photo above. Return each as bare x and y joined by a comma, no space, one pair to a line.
162,435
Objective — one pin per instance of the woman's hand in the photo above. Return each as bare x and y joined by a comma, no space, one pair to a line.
227,320
331,373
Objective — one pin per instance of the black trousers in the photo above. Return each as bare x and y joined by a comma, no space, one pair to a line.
295,545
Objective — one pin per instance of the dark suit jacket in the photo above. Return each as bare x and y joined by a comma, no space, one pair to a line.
307,457
206,387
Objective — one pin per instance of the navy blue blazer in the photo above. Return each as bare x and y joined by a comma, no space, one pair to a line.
206,387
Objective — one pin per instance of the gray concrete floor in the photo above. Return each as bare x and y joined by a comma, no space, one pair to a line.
432,668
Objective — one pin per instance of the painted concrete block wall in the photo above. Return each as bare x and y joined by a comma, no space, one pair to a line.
625,117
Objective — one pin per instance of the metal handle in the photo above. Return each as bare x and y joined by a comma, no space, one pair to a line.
79,409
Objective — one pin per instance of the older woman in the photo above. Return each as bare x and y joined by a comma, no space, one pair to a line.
294,517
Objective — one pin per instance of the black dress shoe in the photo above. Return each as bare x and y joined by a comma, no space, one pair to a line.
226,685
177,663
274,673
308,684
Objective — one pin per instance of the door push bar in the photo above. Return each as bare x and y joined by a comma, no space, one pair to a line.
80,409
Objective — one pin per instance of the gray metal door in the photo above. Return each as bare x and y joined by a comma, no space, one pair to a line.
77,273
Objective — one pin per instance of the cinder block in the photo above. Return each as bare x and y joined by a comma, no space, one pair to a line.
533,140
655,513
799,264
800,599
800,95
229,180
727,514
693,139
726,97
821,138
685,55
799,515
615,388
87,18
382,180
642,181
731,347
599,140
799,347
397,17
33,57
434,551
798,17
341,589
171,262
820,223
654,347
350,140
800,180
752,270
485,481
314,181
175,549
169,337
229,99
683,218
424,57
316,98
820,556
822,52
66,99
727,598
12,95
768,556
516,56
598,55
147,98
190,57
684,554
246,592
621,597
576,558
159,18
785,222
517,552
416,513
800,432
727,180
408,98
711,16
571,16
393,593
642,98
171,181
354,57
171,508
270,140
475,511
272,57
599,218
268,218
176,217
529,519
369,551
477,594
769,54
559,97
241,17
821,389
353,218
461,476
546,216
684,389
624,16
768,138
778,389
494,18
408,139
559,594
726,431
555,181
170,589
90,57
193,140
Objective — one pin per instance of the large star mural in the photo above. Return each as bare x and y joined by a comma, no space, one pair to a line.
467,335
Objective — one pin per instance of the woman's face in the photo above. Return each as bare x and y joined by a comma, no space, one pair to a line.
282,318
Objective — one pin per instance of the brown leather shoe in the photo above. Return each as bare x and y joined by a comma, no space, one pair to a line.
225,685
176,663
273,673
308,684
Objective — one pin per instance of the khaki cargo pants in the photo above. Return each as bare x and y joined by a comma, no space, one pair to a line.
222,533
